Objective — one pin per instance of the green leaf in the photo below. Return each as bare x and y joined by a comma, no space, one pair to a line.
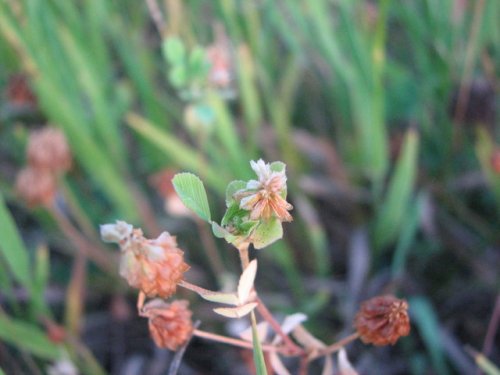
395,206
258,356
174,50
277,166
219,231
12,247
27,337
427,322
198,65
266,233
192,193
232,188
232,211
178,76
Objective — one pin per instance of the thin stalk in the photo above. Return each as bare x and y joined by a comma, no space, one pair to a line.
244,257
238,342
213,255
335,347
96,253
195,288
268,317
156,16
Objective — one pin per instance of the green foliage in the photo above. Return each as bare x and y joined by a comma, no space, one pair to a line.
428,326
258,355
396,202
12,248
28,337
192,193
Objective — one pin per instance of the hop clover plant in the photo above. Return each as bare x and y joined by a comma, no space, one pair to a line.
255,212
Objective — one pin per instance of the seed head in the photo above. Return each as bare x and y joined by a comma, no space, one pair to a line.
37,187
48,149
264,197
382,320
170,324
154,266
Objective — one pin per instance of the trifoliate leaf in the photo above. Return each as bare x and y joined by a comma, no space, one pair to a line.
192,193
178,76
277,166
232,188
174,50
266,233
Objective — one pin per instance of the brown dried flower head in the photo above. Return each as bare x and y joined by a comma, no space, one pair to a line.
154,266
382,320
48,149
170,324
37,187
264,198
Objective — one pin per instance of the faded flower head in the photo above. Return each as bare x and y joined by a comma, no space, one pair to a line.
36,187
48,149
154,266
170,324
265,197
382,320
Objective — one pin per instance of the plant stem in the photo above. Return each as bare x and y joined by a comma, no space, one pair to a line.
98,254
335,346
213,255
268,317
237,342
156,15
195,288
244,258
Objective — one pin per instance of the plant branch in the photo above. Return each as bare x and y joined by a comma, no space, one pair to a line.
98,254
268,317
335,346
238,342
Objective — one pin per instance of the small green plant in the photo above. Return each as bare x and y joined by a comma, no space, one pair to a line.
255,212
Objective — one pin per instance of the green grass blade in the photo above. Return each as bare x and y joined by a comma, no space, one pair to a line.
258,356
425,318
12,248
27,337
395,205
183,155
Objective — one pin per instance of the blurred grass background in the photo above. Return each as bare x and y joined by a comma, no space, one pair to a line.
385,113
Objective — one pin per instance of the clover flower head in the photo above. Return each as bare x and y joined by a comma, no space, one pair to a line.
154,266
170,324
382,320
49,149
37,187
264,198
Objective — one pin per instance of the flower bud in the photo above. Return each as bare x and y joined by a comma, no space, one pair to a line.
36,187
48,149
382,320
170,324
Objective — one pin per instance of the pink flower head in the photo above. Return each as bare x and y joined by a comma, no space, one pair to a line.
154,266
265,197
